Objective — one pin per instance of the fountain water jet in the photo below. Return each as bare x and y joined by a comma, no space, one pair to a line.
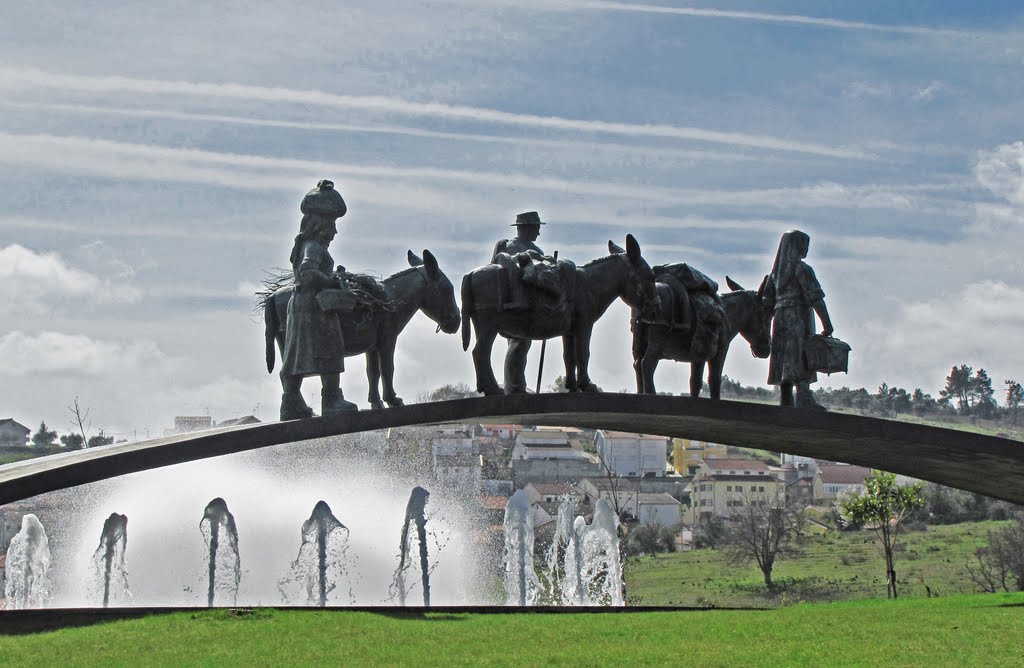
28,566
415,512
521,582
556,572
322,559
601,564
109,560
223,561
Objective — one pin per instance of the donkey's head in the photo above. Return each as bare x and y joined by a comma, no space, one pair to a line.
755,323
438,300
638,287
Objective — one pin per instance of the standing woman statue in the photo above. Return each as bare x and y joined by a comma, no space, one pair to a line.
313,345
796,295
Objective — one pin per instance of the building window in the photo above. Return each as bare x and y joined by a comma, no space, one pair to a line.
760,488
728,488
746,473
739,488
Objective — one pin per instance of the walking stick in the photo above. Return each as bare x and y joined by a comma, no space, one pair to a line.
543,345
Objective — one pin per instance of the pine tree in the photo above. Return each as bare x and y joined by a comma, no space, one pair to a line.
44,437
1014,399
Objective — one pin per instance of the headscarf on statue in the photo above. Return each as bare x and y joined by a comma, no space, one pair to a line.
319,203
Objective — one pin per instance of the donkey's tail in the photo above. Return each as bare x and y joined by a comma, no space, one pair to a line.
467,309
271,324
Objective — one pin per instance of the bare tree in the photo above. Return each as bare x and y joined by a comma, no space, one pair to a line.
80,420
763,528
1000,564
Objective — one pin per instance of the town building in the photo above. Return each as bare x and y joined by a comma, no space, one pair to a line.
629,454
634,498
504,431
551,492
832,480
13,433
545,444
723,485
688,454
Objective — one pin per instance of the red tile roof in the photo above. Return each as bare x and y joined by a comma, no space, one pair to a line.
843,474
736,465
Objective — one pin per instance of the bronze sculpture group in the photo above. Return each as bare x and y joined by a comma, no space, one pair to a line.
328,314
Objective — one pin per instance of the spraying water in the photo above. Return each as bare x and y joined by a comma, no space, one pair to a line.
223,562
28,565
415,512
322,562
108,561
556,572
521,582
601,564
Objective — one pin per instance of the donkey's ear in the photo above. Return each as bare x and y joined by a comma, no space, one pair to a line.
733,285
430,262
615,249
413,260
761,288
632,249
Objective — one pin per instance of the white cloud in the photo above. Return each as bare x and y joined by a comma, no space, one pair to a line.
21,79
411,186
928,93
762,17
28,280
976,325
76,355
1001,170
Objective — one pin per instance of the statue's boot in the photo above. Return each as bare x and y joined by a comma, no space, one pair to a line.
334,403
294,407
805,398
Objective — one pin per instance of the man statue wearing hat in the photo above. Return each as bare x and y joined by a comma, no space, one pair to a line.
313,344
524,261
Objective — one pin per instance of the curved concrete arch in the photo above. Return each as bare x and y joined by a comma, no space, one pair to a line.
984,464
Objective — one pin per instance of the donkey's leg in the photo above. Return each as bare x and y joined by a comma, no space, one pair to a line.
696,377
583,359
485,380
515,365
639,348
387,371
715,366
648,365
569,360
373,378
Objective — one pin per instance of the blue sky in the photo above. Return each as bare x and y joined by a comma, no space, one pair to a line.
152,161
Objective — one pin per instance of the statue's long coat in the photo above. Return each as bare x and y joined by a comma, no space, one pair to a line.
312,343
792,326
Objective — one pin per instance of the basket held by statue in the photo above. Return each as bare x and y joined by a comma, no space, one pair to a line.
333,299
826,354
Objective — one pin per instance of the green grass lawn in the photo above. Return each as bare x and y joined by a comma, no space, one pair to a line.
835,567
982,630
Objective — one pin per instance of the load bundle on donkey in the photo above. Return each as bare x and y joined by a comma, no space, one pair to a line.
587,292
656,338
372,313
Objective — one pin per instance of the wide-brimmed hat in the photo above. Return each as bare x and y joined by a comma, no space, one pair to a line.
527,218
325,200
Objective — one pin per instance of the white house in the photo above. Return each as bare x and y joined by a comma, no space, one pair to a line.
831,480
545,445
13,433
550,492
632,454
657,508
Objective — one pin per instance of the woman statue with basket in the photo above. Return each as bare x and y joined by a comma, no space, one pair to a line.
313,344
797,353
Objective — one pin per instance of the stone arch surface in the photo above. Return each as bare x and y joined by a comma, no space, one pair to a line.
985,464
